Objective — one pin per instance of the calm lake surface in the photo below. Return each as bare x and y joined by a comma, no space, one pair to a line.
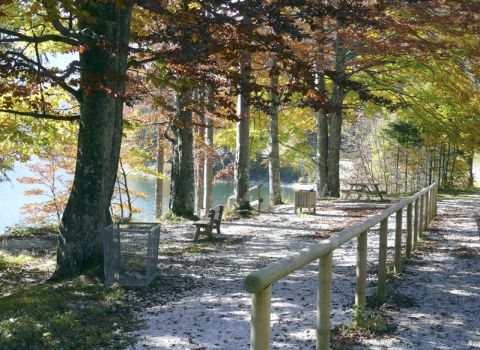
12,196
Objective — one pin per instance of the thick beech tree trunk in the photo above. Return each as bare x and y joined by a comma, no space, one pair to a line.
160,170
103,65
208,168
274,154
182,184
242,156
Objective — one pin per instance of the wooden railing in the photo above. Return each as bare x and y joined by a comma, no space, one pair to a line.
259,283
255,191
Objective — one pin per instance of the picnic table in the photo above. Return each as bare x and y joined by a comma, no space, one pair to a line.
363,189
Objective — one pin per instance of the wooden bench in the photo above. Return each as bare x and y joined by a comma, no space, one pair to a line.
212,221
305,199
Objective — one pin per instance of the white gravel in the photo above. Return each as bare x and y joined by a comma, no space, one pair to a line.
202,305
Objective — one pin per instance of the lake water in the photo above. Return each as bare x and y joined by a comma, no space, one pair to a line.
221,192
12,196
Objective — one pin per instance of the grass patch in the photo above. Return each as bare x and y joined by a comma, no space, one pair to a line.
458,194
170,217
207,245
26,231
191,249
376,324
75,314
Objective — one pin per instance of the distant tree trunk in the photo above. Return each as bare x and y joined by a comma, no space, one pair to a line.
242,156
471,178
406,172
103,66
208,168
440,162
160,170
127,191
182,185
397,171
430,168
274,154
199,156
446,165
120,197
451,178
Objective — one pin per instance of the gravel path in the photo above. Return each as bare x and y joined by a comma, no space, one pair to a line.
199,301
443,281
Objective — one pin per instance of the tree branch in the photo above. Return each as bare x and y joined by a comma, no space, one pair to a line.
39,69
69,118
18,37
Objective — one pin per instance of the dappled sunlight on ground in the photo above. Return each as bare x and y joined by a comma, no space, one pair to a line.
212,311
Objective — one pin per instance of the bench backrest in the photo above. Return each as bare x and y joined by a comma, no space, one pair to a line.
218,213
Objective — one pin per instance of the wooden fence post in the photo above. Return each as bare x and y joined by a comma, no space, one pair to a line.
260,323
361,290
324,298
382,260
398,242
415,223
408,248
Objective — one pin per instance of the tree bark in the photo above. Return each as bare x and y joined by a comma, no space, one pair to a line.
208,168
274,154
103,66
322,141
336,118
334,143
242,156
199,158
160,170
471,178
182,184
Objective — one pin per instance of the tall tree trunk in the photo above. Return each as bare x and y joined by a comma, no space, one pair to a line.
274,154
208,168
160,170
322,141
103,66
199,156
242,156
336,118
182,184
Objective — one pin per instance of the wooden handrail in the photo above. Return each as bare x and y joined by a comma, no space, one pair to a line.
259,283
